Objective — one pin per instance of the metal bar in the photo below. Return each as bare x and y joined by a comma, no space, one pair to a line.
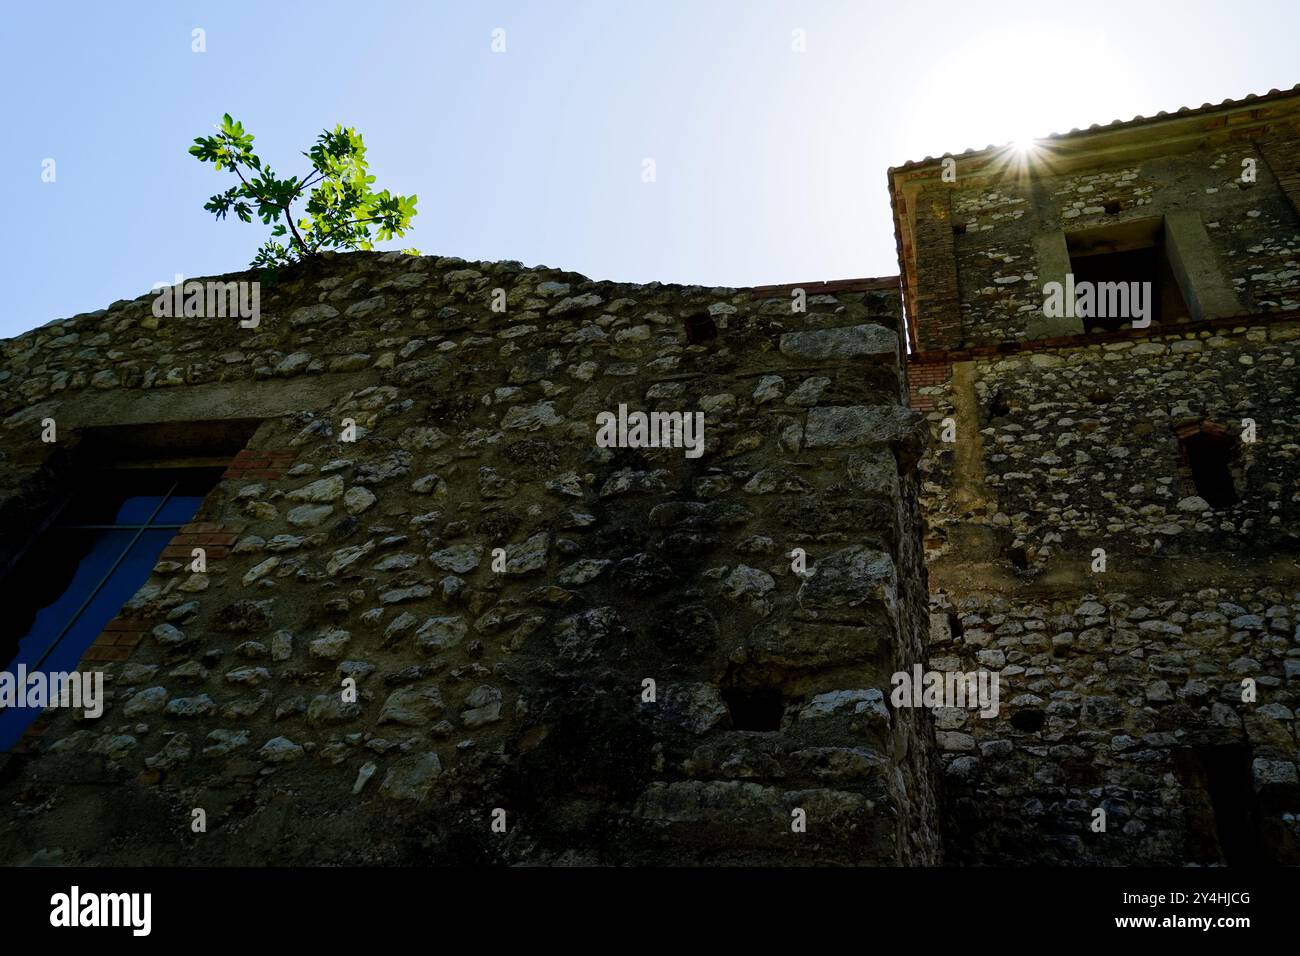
117,527
104,580
154,464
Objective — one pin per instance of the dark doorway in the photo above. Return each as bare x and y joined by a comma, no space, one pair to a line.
1208,453
1222,813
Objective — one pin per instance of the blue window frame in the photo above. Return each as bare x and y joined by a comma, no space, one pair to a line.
76,576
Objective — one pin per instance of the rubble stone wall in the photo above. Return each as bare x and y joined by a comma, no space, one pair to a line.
1117,685
606,652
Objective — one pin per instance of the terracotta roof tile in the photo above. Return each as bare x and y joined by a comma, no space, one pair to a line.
1116,124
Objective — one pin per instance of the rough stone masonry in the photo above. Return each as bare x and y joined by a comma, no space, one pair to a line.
565,651
1113,513
562,653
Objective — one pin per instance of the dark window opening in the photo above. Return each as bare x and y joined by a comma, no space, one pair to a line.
1123,254
959,228
1111,207
754,708
100,546
700,327
1019,557
955,627
1029,721
1208,450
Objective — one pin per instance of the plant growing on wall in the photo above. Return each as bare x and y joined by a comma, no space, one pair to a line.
342,211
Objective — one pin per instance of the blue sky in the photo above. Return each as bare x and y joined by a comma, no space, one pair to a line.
769,163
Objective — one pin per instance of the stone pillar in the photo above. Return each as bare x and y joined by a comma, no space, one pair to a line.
811,738
1053,256
1195,265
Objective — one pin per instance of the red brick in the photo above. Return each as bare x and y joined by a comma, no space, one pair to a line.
106,654
220,538
185,552
186,540
938,312
200,527
834,286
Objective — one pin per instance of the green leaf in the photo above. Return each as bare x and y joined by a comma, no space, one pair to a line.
342,211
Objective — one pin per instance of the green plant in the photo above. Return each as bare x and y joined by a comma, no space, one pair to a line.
341,210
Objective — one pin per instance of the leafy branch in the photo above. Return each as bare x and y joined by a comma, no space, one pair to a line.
342,211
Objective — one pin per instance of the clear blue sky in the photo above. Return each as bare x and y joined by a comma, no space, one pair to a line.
770,164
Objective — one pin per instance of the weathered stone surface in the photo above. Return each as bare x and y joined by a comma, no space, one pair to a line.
357,500
850,578
200,706
148,701
280,750
583,636
833,426
696,707
460,558
331,709
839,344
308,516
870,701
413,706
482,707
412,777
528,557
356,629
440,634
322,491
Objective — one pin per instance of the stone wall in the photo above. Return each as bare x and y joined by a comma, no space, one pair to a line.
1117,685
490,681
1113,512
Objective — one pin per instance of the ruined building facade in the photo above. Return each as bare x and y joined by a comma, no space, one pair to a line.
436,621
1112,518
562,652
